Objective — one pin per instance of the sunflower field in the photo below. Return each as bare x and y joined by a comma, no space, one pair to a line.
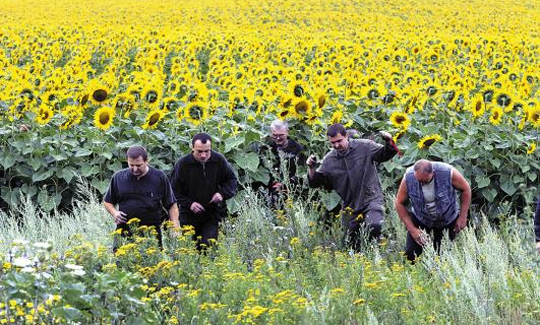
81,81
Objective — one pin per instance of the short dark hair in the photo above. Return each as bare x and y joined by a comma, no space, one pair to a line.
135,152
336,129
203,137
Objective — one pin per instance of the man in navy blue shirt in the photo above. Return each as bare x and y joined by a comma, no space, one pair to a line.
141,192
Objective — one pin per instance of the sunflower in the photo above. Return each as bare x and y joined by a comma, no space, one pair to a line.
531,148
400,120
301,107
478,106
44,115
321,99
73,115
103,118
196,112
428,141
533,114
180,114
98,92
170,104
337,117
496,115
153,118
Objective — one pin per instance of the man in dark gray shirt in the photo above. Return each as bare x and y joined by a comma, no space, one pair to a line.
141,192
350,169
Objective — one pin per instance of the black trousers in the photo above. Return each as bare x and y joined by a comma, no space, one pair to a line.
206,232
371,219
413,249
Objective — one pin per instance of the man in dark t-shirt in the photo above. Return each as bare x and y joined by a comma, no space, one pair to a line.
141,192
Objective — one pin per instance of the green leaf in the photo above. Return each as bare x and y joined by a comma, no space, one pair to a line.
29,190
35,163
249,161
233,142
115,166
482,181
106,154
489,194
7,160
69,313
83,152
88,170
67,173
100,185
45,202
12,197
330,200
261,175
532,176
496,162
508,187
59,156
42,175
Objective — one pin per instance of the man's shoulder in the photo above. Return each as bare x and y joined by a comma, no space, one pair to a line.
295,146
185,159
156,172
217,157
122,174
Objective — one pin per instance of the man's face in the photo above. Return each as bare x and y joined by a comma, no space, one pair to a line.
339,142
280,137
138,167
423,178
202,151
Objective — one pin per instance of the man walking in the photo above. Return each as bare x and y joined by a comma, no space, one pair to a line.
430,188
141,192
202,181
350,169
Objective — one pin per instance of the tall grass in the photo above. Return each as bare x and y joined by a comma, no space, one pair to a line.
287,266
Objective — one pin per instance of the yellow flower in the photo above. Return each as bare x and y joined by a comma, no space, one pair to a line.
195,113
294,241
400,120
428,141
302,107
478,106
133,221
103,118
336,117
44,115
534,116
98,92
359,301
152,119
532,148
496,115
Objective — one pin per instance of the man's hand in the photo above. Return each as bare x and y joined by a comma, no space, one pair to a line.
216,198
385,135
312,161
197,208
538,247
419,236
119,217
461,223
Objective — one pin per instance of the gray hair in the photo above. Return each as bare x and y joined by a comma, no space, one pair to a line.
279,125
424,166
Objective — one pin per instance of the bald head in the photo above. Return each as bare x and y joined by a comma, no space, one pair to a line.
423,171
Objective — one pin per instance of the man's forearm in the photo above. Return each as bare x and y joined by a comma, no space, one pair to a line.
174,215
405,217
